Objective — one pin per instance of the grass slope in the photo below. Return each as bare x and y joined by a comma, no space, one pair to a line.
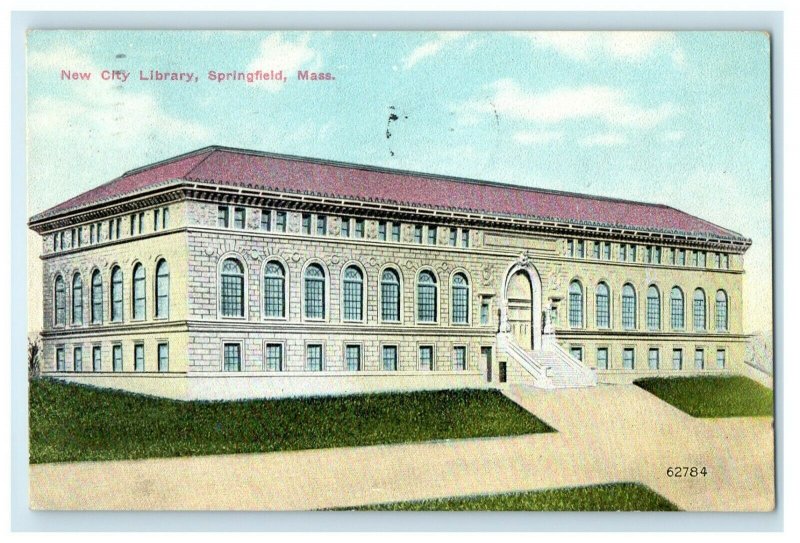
607,497
712,396
71,422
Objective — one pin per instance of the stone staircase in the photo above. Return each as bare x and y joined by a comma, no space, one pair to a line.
551,366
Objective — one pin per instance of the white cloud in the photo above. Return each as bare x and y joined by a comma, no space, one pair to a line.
277,52
430,48
673,135
629,46
602,103
606,139
114,125
534,137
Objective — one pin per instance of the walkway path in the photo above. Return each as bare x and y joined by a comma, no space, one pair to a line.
605,434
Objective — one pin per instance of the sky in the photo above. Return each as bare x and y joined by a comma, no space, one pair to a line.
676,118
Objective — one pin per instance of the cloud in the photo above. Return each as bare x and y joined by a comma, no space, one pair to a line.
606,104
626,46
606,139
430,48
535,137
673,135
277,52
93,130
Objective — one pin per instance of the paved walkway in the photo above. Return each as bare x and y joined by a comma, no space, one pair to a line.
605,434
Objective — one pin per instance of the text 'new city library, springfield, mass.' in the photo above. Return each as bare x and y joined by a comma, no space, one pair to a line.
226,273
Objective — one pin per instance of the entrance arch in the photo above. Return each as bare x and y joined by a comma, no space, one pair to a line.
521,304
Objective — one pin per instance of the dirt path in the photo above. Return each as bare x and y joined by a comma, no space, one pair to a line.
605,434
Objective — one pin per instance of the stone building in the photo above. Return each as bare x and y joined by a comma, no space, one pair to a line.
226,273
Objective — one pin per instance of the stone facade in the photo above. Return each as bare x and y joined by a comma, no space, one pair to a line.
195,245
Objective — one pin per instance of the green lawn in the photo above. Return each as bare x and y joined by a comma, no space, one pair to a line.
608,497
71,422
712,396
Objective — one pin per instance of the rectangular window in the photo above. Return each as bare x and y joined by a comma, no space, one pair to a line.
570,247
352,355
239,218
602,358
431,235
677,359
579,246
111,229
307,223
426,358
622,255
695,259
671,258
77,358
395,232
165,218
80,235
652,359
118,227
91,233
632,253
138,357
484,311
453,236
280,221
465,238
596,250
73,238
715,260
163,357
720,359
232,357
723,261
417,233
606,250
133,227
141,224
322,225
459,358
382,230
222,217
576,353
116,357
359,228
97,358
345,230
61,362
655,255
627,359
389,358
266,220
156,220
699,359
314,357
274,360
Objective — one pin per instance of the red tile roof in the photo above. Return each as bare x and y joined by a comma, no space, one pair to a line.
241,168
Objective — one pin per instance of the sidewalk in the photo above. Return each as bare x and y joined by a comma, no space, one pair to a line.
605,434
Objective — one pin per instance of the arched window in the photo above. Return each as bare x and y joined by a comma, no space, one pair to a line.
116,294
390,295
628,307
460,288
315,292
426,297
653,308
60,301
575,305
274,290
77,299
722,311
602,306
699,310
353,291
232,288
162,289
139,292
676,309
97,297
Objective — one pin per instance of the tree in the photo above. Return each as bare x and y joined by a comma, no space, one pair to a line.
34,349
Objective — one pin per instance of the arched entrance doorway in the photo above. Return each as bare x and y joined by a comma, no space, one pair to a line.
520,314
521,304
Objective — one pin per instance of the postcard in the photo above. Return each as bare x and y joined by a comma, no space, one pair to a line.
439,271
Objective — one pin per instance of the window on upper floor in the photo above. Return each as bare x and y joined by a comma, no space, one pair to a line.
676,309
345,230
162,289
460,299
266,220
453,239
116,294
431,235
699,311
222,217
427,307
628,307
306,223
314,292
395,231
722,311
239,218
465,238
274,290
60,295
382,230
280,221
417,233
139,292
653,308
232,288
390,295
359,228
77,299
602,306
322,225
97,297
575,305
353,294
